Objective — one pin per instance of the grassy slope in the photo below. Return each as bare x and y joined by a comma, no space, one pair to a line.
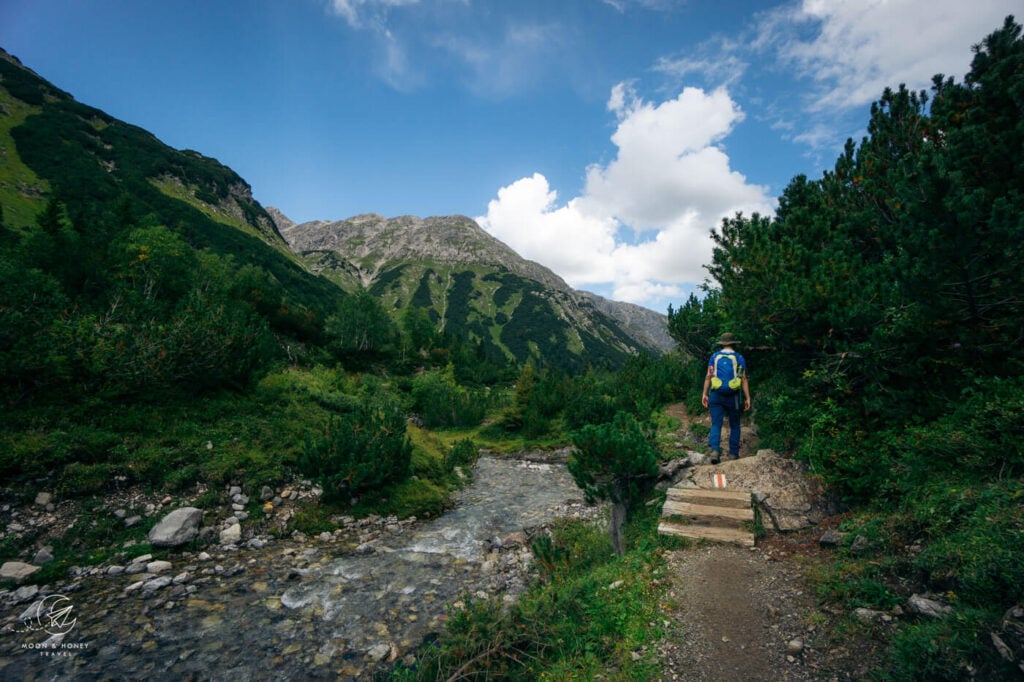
22,192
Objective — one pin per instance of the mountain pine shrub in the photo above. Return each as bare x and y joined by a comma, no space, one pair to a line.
359,452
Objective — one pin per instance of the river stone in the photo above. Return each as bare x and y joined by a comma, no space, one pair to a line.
24,593
17,571
158,566
382,651
231,535
156,583
44,555
177,528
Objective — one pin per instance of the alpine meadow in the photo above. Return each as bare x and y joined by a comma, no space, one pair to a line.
167,342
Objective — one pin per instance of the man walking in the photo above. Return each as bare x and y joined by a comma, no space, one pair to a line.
726,392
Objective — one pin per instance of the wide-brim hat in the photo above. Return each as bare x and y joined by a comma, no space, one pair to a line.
727,339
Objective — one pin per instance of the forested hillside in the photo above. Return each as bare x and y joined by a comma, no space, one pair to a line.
882,309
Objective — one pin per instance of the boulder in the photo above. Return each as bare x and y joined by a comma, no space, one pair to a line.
831,538
18,571
177,528
791,499
231,535
43,556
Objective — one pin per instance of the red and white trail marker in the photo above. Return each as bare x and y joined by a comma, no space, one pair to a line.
719,480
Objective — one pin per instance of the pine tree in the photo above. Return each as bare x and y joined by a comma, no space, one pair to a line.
616,462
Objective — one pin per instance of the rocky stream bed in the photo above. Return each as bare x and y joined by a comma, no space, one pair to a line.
335,606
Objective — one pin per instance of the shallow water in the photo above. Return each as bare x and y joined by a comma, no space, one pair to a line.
321,610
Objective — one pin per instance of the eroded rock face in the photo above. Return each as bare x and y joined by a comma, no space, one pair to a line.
789,499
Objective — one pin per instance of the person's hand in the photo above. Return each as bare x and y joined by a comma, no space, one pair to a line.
704,400
746,403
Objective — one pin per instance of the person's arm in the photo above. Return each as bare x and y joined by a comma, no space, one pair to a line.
707,386
746,391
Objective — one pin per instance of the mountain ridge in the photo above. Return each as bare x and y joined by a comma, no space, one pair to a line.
372,245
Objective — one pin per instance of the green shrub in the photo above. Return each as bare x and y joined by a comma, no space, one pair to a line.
976,543
359,452
441,402
463,453
312,520
949,649
183,477
588,405
151,464
416,497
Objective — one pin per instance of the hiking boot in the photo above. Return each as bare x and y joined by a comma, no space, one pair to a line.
716,456
733,455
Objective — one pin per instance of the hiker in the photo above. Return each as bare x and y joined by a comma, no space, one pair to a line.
726,391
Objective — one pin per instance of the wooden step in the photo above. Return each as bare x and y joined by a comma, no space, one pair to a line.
707,515
712,533
713,514
738,499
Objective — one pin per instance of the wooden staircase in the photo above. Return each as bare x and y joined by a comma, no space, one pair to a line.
709,514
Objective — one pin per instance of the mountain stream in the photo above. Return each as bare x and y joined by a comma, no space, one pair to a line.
305,609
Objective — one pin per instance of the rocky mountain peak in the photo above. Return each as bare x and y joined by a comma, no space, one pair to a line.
376,241
371,245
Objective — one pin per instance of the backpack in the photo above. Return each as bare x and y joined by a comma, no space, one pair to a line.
728,376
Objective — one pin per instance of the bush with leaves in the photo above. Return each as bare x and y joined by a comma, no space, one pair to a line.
360,452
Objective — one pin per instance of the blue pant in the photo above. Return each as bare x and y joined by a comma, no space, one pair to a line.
721,406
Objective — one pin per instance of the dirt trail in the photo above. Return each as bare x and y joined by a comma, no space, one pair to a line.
749,614
737,614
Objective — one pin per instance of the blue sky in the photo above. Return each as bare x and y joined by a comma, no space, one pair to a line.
601,138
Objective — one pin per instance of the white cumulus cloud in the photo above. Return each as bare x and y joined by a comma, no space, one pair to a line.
642,224
863,46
